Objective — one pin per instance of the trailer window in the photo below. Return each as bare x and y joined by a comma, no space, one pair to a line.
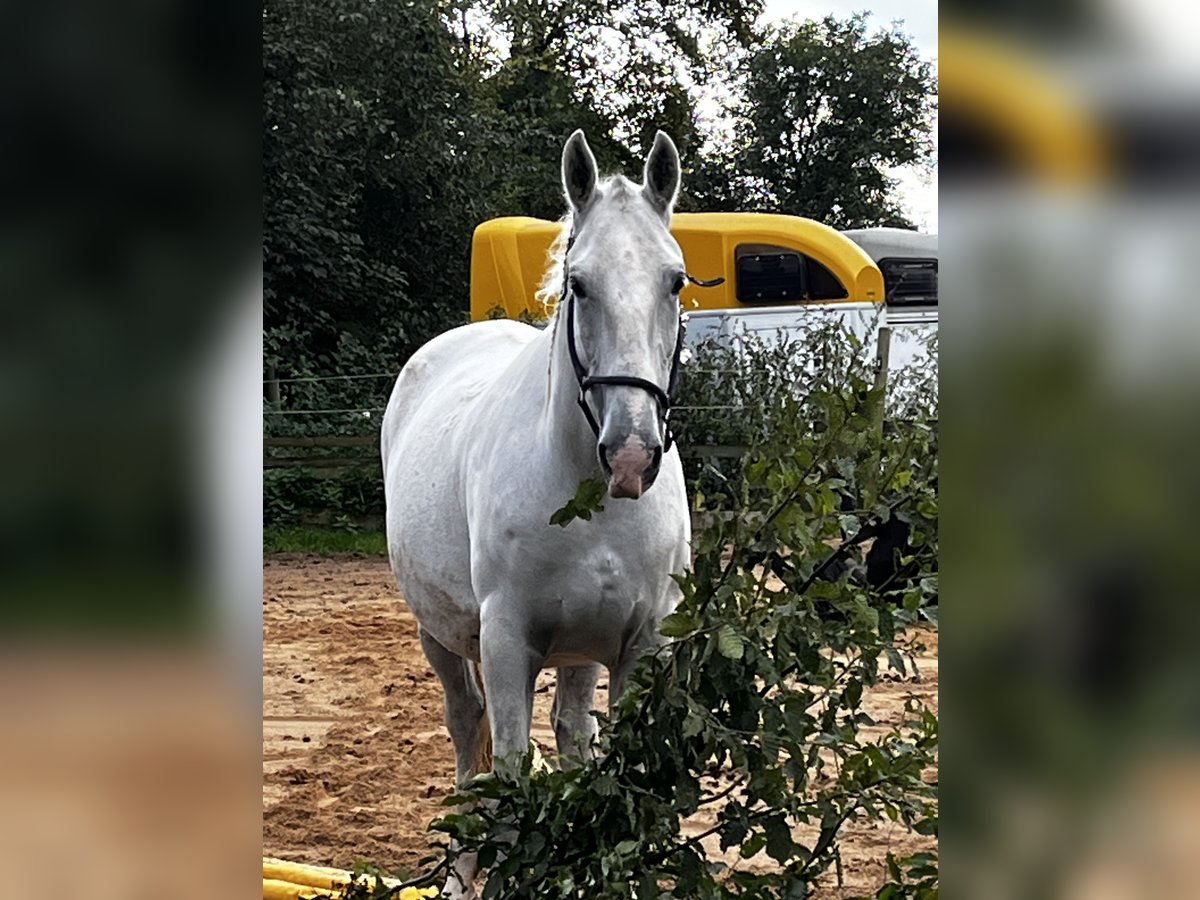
821,283
910,282
767,273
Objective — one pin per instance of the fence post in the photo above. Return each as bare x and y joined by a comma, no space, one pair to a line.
273,388
882,354
883,351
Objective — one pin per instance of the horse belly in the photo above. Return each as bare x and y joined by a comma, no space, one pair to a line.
432,570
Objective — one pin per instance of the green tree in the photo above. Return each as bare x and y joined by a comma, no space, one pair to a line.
363,114
623,68
825,111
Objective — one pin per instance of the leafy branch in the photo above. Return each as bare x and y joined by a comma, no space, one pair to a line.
587,501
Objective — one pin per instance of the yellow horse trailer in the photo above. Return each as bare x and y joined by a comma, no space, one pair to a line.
768,262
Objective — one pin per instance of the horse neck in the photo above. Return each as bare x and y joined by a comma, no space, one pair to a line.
566,430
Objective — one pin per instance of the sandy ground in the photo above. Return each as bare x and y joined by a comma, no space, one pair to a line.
356,759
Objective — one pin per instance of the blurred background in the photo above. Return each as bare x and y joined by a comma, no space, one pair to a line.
1069,147
130,298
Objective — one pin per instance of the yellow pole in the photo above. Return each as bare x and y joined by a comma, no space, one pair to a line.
284,880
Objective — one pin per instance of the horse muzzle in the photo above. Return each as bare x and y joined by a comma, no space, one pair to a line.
631,468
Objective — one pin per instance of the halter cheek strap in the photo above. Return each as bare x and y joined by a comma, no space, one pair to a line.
587,382
662,398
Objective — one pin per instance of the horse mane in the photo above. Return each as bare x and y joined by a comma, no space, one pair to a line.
550,289
549,292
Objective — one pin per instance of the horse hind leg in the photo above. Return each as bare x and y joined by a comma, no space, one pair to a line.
465,706
571,713
467,722
483,741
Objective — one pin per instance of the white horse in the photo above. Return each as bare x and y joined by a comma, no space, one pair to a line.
491,427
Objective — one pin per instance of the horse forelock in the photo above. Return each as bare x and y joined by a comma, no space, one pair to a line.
615,190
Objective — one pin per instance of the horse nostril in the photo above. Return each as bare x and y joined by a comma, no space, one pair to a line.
604,457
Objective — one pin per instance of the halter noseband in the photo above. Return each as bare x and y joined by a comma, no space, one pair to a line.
662,398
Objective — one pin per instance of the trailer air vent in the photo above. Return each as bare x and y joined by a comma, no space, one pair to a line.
770,277
910,282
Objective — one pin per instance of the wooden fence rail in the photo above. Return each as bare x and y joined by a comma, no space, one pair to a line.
350,440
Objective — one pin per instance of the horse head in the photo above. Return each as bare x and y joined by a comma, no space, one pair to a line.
623,274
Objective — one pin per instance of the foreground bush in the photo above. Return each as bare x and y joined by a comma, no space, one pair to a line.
754,707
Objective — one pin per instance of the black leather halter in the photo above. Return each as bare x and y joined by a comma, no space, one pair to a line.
662,398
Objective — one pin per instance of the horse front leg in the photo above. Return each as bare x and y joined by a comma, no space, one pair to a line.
647,640
465,707
571,714
510,665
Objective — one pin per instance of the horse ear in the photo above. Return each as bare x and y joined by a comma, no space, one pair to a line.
579,173
660,181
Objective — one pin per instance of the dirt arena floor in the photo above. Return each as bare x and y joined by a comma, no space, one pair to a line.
355,756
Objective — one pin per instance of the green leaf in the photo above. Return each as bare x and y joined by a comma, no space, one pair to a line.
587,500
678,624
753,844
927,826
627,847
779,838
893,867
729,642
852,694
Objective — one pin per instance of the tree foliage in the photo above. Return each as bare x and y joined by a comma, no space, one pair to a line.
825,112
363,109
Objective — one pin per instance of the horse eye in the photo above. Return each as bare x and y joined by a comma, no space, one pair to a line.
577,288
679,283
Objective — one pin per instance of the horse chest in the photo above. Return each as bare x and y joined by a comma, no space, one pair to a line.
573,593
574,576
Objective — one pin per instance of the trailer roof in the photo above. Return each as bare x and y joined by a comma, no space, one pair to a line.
883,243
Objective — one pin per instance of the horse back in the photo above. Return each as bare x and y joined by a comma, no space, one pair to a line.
449,372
